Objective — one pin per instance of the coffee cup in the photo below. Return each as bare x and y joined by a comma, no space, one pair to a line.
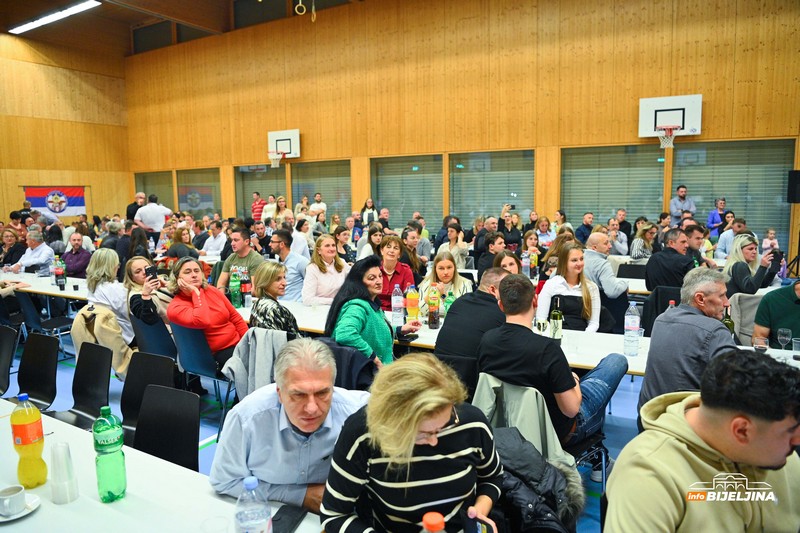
12,500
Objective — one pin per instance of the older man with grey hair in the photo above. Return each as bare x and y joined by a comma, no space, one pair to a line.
284,433
687,337
36,256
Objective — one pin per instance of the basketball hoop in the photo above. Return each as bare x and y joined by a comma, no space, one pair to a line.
275,158
667,135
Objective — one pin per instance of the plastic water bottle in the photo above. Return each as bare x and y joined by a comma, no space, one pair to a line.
151,246
252,512
26,430
235,288
110,461
526,265
398,307
632,322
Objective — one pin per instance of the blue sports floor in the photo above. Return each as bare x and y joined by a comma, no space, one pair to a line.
620,427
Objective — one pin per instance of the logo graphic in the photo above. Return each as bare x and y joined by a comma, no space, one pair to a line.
56,201
730,486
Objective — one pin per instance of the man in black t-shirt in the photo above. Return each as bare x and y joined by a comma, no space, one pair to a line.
515,354
495,243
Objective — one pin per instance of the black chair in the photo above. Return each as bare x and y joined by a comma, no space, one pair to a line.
616,307
144,369
630,271
466,368
196,358
353,370
8,347
174,413
589,450
89,386
657,303
154,338
37,369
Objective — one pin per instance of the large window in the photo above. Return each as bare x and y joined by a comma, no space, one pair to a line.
198,191
329,178
604,179
480,183
752,176
262,179
408,184
158,183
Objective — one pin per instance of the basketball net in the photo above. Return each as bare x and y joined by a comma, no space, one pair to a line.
275,159
666,135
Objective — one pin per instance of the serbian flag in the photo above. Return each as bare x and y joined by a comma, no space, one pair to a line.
57,201
192,198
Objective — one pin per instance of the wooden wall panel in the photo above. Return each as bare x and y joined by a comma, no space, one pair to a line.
20,49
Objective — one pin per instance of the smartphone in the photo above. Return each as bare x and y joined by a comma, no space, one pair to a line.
151,272
512,206
474,525
287,518
410,337
777,257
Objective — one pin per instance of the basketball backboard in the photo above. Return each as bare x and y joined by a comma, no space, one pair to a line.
286,141
684,111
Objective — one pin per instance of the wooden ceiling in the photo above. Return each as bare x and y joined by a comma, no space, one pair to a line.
108,26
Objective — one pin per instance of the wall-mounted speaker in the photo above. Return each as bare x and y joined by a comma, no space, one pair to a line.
793,193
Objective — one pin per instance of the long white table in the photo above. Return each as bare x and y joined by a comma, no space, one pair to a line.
161,496
43,285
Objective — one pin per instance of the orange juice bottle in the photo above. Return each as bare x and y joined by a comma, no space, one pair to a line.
26,429
412,302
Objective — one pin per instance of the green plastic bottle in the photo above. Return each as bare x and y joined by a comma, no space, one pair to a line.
235,288
448,302
110,462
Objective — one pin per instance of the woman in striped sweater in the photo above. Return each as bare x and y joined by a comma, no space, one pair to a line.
416,447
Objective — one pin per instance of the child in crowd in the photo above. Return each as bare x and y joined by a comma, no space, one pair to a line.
769,242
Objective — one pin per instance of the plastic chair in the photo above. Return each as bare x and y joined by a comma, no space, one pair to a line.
89,386
37,369
8,347
169,425
631,271
154,338
195,357
145,369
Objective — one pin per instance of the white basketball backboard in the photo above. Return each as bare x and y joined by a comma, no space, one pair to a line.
286,141
684,111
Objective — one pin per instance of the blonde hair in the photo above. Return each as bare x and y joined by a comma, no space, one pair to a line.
647,226
177,237
739,242
561,270
559,242
433,277
264,276
338,264
172,283
13,232
405,394
128,280
102,268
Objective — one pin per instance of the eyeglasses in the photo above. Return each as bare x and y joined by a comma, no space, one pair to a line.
426,435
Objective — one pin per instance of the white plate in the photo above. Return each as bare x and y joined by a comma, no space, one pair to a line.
32,502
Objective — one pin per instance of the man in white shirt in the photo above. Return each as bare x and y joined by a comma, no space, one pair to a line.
151,217
318,206
269,209
38,254
725,242
284,433
216,242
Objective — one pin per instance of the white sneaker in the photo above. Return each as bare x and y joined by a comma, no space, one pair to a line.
597,471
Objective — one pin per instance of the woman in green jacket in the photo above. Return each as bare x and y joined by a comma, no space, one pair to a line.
356,319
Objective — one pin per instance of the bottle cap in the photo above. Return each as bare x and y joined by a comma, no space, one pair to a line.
22,397
105,411
433,521
250,482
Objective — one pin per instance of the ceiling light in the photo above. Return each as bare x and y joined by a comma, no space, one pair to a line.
47,19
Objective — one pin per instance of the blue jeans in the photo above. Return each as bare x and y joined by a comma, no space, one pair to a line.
597,388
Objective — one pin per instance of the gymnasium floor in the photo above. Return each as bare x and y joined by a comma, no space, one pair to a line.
620,427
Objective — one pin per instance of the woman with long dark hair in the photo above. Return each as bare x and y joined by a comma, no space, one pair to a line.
355,318
139,245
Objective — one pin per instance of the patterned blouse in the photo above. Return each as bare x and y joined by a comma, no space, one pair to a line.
268,313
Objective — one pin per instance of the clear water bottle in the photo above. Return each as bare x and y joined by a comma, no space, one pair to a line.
252,511
526,265
110,461
398,307
151,246
632,322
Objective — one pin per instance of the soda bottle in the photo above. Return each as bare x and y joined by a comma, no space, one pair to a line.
246,287
412,302
61,273
432,522
448,302
632,322
110,460
556,320
398,316
526,265
252,511
235,288
433,308
26,429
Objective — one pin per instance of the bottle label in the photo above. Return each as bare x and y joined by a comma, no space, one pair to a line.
555,329
29,433
632,322
108,437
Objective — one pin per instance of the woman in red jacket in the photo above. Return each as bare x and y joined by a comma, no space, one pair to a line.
198,305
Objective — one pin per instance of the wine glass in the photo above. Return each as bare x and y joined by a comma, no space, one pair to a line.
784,337
760,344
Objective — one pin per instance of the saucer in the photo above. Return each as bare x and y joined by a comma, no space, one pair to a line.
32,502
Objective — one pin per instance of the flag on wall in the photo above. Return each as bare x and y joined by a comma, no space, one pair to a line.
195,197
57,201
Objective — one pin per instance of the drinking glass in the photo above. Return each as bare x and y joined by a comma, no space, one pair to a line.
784,337
760,344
